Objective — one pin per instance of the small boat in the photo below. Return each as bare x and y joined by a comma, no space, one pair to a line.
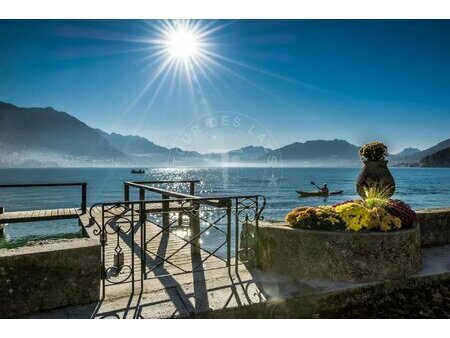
140,171
318,193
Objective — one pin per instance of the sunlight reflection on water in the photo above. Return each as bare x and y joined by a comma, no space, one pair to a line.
420,187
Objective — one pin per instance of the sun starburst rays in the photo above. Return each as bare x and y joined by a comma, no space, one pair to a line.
185,52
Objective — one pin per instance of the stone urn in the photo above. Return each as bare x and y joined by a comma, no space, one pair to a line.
375,173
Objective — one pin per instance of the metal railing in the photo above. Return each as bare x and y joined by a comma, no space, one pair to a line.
43,185
144,186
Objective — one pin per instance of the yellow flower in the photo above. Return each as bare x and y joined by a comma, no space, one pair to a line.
385,227
321,218
355,215
381,219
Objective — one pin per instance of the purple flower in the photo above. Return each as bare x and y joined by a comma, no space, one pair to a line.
403,211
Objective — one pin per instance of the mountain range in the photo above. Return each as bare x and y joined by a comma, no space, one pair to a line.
414,158
36,137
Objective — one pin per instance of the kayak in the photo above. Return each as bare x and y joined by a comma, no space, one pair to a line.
318,193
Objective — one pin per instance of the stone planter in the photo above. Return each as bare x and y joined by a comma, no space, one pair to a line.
375,172
338,256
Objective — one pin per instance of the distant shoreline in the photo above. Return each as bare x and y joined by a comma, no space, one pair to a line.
216,167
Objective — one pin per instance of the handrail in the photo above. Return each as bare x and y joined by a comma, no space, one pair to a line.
142,185
166,182
166,194
158,190
181,200
33,185
40,185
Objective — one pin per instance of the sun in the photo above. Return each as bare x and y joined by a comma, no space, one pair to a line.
183,52
182,43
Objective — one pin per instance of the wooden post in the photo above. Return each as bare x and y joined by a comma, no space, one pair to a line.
83,197
141,194
165,212
2,226
195,228
192,188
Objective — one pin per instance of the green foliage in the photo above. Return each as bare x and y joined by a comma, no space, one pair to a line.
17,243
374,151
376,195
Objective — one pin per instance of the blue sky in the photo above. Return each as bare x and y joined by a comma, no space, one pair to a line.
301,79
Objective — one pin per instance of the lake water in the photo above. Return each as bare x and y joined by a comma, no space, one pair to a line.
420,187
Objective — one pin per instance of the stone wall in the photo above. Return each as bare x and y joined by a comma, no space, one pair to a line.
434,226
48,275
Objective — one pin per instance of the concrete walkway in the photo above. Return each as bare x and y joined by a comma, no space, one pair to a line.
227,293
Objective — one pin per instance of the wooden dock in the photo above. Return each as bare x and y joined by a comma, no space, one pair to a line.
43,215
24,216
39,215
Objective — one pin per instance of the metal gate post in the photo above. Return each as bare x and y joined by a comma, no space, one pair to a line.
236,235
83,197
142,219
229,233
256,238
195,227
126,193
165,213
103,241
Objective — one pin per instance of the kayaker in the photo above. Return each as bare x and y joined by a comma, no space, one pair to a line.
325,189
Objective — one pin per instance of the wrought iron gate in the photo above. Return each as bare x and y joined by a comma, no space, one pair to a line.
148,239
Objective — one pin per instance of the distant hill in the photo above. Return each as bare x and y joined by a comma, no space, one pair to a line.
408,152
144,152
241,155
249,153
317,152
416,157
135,145
440,158
45,135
